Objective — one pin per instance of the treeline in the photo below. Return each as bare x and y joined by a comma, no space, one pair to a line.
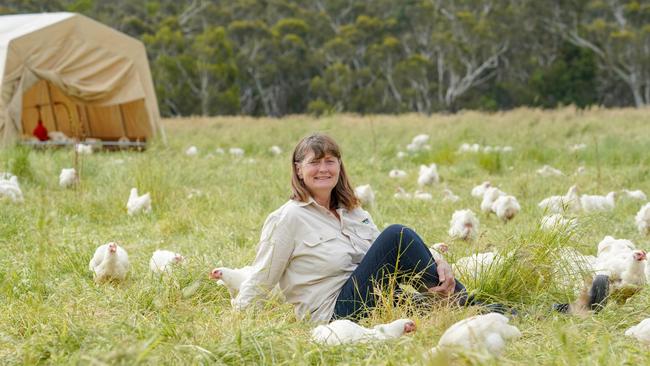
277,57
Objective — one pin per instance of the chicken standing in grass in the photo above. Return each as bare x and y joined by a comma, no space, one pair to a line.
464,225
491,194
10,188
428,175
365,194
642,219
232,278
345,331
110,262
162,261
137,203
506,207
488,332
192,151
68,177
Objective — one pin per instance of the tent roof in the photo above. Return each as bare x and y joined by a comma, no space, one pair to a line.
91,62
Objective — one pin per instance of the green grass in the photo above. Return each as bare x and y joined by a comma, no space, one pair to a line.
51,312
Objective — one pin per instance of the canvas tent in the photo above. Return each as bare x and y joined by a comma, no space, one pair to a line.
78,76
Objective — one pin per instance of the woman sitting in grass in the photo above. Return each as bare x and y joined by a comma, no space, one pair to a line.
326,253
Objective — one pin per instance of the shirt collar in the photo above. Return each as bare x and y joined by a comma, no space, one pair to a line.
312,201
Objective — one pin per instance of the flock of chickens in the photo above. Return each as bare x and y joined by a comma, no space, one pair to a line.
619,259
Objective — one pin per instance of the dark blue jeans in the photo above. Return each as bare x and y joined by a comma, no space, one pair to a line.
398,252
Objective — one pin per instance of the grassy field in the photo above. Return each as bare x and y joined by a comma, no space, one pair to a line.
51,311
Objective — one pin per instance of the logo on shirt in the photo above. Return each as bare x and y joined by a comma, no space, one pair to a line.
366,221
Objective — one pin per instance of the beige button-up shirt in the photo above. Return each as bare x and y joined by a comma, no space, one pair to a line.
310,253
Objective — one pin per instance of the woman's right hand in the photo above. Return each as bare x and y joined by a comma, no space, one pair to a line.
446,278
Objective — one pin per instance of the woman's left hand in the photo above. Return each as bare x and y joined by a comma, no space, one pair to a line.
446,277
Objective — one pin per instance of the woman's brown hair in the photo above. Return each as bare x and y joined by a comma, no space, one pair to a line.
321,145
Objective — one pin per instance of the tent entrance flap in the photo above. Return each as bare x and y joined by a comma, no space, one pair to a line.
58,112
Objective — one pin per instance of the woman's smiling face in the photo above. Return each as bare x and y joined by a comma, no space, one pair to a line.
319,175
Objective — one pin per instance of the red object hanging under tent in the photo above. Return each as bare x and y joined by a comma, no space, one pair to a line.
40,131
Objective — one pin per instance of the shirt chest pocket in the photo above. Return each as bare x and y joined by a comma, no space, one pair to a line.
318,239
364,233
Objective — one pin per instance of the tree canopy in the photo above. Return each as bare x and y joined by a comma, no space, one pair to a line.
279,57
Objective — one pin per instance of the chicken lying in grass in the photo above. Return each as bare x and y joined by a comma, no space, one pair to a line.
464,225
345,331
109,263
558,223
449,196
570,202
640,331
480,189
483,333
137,203
438,250
591,203
637,195
162,261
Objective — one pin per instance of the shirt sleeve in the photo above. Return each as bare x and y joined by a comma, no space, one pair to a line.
273,254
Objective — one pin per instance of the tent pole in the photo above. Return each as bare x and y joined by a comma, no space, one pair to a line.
87,115
124,132
49,95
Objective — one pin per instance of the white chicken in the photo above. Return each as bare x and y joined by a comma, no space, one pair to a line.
428,175
464,225
558,204
68,177
275,150
591,203
506,207
622,262
480,189
438,250
162,261
344,331
449,196
491,194
401,194
83,149
549,171
487,332
642,219
137,204
365,194
236,152
476,265
640,331
232,278
422,195
192,151
396,173
557,222
110,262
10,188
635,195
